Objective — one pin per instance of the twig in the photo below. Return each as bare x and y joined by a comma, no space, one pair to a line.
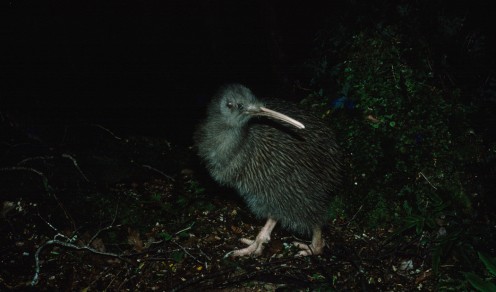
68,245
35,158
29,169
156,170
92,125
187,252
46,186
64,155
59,234
297,84
108,227
422,174
202,252
65,212
75,165
111,281
106,130
354,216
185,229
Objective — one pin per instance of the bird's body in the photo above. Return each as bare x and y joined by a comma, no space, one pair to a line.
283,173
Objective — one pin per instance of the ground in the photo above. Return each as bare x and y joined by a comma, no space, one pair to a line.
99,215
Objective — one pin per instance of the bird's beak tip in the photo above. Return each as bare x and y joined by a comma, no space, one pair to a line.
263,111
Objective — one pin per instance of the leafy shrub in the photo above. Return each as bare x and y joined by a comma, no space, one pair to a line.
412,153
407,138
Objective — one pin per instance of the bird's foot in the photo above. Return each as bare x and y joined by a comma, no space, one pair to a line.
254,248
314,248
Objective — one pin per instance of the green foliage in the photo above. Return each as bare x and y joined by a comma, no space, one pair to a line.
426,214
402,131
484,285
165,236
407,134
177,256
489,263
195,188
156,197
479,284
156,204
336,210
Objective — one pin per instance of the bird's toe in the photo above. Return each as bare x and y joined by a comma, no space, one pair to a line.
247,241
307,249
254,248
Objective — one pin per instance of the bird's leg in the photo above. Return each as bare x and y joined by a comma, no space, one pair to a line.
315,248
256,246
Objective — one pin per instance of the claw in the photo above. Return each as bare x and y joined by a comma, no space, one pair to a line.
307,249
255,247
315,248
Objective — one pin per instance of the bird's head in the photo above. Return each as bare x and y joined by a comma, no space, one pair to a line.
238,104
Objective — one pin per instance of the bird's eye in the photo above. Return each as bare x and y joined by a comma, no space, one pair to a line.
229,105
240,106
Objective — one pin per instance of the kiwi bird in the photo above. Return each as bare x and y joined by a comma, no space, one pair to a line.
283,161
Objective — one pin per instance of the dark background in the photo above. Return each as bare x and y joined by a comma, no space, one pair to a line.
145,67
149,67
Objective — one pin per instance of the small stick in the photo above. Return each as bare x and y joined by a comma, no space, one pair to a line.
422,174
154,169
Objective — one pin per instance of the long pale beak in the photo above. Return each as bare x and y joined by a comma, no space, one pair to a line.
263,111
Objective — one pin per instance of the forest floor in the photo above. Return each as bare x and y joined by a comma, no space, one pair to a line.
93,214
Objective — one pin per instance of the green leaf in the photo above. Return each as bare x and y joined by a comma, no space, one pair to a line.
182,201
420,226
317,277
488,262
155,197
436,259
478,283
177,256
165,236
209,207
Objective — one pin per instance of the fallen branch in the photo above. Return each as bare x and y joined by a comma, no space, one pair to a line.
68,245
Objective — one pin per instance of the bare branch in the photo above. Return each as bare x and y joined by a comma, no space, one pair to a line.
108,227
68,245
